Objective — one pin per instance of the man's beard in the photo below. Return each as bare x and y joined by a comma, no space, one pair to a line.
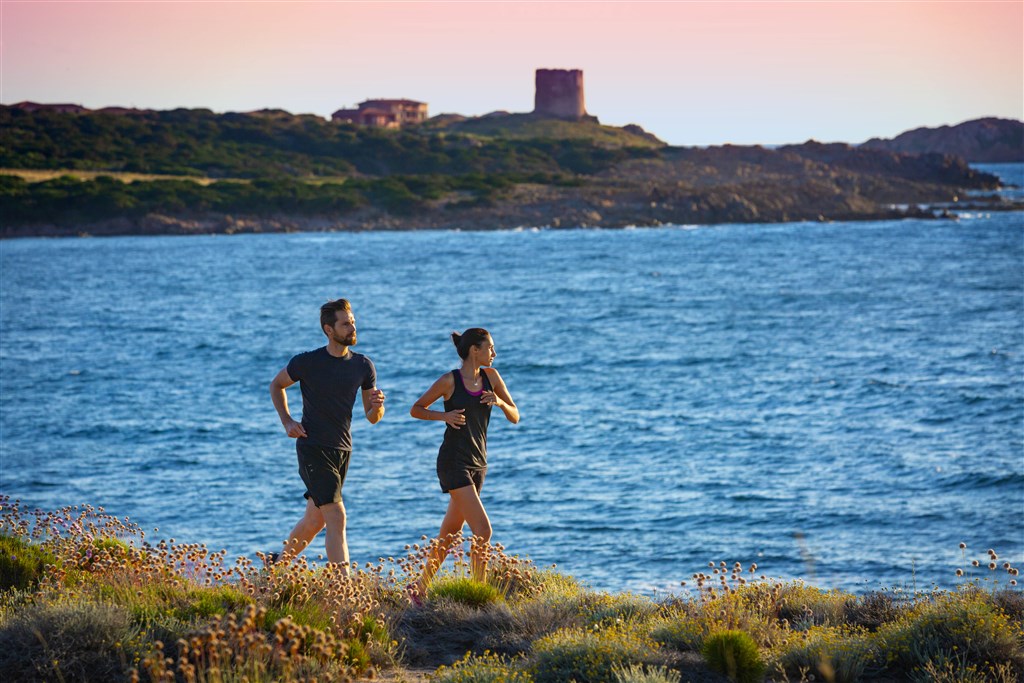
350,340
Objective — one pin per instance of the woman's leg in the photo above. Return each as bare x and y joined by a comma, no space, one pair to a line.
468,505
450,526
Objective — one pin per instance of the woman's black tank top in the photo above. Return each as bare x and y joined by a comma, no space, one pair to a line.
466,447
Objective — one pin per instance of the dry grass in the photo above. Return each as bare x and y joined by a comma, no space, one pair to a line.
90,597
36,176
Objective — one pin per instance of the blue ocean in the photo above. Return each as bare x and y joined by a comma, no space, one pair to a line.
839,402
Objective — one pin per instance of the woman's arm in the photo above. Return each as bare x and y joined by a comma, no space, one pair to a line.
500,396
442,388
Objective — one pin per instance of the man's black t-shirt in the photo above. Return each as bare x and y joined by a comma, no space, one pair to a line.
329,386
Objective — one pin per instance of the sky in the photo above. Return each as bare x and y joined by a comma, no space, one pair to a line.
692,73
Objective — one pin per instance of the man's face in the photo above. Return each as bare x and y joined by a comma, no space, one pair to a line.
344,330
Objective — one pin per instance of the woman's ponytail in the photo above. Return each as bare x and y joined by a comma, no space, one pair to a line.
468,339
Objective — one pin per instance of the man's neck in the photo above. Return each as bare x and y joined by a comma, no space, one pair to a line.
337,350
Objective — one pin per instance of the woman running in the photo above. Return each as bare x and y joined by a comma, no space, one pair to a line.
469,392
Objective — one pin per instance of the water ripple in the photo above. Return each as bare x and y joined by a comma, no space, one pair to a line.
841,403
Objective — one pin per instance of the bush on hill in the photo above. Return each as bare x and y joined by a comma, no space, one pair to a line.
69,200
200,143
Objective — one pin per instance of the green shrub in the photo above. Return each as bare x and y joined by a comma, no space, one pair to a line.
966,622
356,657
553,583
838,654
748,609
21,563
1011,602
464,590
608,608
485,668
69,642
562,602
307,614
372,630
873,610
685,635
637,673
202,603
805,606
589,655
735,654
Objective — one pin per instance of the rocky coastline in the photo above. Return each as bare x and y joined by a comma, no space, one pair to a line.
529,207
290,174
811,182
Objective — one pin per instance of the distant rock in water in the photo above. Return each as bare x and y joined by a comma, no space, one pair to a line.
988,140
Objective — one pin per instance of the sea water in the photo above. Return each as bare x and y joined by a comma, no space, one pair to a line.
840,402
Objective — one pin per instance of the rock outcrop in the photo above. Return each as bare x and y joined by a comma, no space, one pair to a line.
989,140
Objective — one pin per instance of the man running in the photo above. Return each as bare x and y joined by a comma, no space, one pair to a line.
328,378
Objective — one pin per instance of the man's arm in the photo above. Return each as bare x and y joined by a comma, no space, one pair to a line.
277,386
373,404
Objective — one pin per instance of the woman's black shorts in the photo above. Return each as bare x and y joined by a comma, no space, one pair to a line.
323,471
456,478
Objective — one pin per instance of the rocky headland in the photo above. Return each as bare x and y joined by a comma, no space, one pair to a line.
240,173
988,140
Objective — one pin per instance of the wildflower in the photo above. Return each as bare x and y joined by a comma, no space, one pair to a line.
959,572
963,546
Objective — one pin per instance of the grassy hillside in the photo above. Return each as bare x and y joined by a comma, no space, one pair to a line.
85,596
195,171
197,142
528,126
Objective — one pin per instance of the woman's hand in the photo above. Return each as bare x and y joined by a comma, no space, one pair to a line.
490,398
455,418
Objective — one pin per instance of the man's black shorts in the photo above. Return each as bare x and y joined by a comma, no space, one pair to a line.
323,471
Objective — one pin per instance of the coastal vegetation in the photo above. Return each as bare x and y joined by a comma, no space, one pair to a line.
66,198
188,171
197,142
85,596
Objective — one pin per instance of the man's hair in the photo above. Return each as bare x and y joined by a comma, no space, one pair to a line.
329,311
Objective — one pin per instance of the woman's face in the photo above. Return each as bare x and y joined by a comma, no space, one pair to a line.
484,351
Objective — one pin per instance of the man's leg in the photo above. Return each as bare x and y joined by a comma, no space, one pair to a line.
337,543
304,532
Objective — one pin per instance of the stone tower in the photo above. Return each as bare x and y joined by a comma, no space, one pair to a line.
559,94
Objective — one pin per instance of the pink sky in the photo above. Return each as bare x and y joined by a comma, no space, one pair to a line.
693,73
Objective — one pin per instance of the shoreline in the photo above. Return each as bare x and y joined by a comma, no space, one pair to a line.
557,215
